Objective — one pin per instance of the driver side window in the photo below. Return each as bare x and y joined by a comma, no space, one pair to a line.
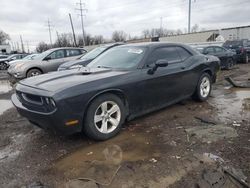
57,54
167,53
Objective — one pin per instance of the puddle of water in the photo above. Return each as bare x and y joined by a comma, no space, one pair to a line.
5,105
5,86
100,161
233,104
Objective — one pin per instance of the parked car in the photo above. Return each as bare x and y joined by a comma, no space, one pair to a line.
227,57
45,62
28,57
4,62
3,56
87,58
241,48
124,82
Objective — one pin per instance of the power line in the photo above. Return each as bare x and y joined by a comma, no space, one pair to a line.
82,9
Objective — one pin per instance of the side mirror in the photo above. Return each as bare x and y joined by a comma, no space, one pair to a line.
159,63
47,58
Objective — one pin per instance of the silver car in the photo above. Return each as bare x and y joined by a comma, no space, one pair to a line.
45,62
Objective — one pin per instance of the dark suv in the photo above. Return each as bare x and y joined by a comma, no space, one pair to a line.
241,48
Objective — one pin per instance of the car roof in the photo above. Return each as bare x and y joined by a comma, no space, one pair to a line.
65,48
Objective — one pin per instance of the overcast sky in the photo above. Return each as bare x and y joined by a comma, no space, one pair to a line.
28,17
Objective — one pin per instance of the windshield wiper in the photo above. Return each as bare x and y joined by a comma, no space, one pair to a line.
100,66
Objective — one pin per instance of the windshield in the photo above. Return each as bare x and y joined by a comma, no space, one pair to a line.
10,57
93,53
29,57
121,58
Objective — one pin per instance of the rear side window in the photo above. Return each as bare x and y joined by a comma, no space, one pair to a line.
72,52
219,50
183,53
209,50
168,53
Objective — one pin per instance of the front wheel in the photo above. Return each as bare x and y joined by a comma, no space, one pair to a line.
33,72
104,117
203,88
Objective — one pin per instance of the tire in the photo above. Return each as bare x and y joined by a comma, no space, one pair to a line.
3,66
203,94
230,63
107,124
33,72
246,58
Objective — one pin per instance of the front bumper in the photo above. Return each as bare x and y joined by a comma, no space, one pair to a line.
54,121
17,75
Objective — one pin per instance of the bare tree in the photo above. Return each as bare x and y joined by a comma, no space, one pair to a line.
3,37
42,46
119,36
64,40
195,28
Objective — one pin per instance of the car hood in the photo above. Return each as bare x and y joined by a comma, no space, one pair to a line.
76,62
60,80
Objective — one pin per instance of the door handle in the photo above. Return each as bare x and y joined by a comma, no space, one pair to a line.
183,68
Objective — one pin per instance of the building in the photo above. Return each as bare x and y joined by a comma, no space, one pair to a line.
197,37
5,49
236,33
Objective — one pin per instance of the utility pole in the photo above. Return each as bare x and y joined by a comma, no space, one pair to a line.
73,31
161,29
22,43
28,48
189,15
49,27
82,9
58,38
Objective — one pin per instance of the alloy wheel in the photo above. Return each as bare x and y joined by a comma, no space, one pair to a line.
107,117
205,87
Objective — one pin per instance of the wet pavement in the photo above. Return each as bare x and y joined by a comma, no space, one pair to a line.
161,149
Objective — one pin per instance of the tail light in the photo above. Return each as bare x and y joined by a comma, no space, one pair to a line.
242,50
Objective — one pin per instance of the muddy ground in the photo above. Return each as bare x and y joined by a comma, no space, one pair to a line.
162,149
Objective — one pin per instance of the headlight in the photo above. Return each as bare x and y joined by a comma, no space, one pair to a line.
76,67
18,66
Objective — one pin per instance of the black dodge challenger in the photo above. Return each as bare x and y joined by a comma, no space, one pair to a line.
123,83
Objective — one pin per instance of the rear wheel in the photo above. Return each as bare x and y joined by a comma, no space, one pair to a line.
246,58
33,72
104,117
203,88
3,66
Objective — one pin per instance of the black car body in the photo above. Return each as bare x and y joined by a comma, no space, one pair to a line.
140,79
87,58
241,48
227,57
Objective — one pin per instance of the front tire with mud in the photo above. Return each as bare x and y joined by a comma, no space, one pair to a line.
104,117
203,88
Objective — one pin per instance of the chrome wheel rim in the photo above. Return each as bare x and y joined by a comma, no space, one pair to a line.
107,117
205,87
35,73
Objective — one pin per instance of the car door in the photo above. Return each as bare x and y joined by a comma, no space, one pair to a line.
165,85
53,60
